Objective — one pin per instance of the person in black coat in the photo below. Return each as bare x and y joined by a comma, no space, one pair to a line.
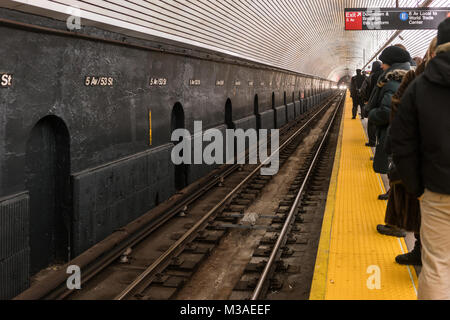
419,141
403,208
366,92
371,81
356,84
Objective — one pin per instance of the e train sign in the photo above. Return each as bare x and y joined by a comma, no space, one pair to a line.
395,18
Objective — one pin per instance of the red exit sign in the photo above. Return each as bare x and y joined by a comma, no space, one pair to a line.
353,20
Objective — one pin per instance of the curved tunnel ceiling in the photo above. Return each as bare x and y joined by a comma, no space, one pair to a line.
305,36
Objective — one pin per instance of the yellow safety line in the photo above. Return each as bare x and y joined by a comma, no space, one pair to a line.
402,242
319,284
354,262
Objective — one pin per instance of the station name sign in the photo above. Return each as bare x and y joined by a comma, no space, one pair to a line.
5,80
395,18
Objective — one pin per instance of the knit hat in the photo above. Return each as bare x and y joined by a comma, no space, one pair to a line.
444,32
394,54
376,66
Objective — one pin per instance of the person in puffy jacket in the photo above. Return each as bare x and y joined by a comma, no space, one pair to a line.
396,63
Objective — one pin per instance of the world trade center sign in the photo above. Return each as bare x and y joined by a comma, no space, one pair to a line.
395,18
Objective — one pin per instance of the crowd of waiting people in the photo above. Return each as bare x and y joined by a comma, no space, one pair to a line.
407,104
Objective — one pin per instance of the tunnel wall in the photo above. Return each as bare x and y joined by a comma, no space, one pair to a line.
119,158
280,116
108,197
290,112
268,119
14,245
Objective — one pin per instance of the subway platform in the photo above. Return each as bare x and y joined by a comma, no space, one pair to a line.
354,261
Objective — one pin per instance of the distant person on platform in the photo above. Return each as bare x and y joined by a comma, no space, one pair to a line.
420,136
395,64
355,86
366,92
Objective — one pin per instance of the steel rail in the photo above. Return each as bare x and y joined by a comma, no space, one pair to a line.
103,254
106,252
292,212
57,289
153,268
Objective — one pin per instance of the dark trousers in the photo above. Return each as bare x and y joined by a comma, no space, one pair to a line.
372,133
356,104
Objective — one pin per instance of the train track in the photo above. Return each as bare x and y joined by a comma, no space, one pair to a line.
303,183
106,254
290,224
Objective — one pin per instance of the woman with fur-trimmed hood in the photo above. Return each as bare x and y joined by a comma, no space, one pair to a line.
396,63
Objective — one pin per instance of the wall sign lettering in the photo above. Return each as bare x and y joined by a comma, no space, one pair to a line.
6,80
395,18
194,82
95,81
158,82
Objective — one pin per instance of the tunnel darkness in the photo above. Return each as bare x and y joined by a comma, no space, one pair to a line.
274,111
299,101
229,121
293,101
48,182
257,115
182,170
229,115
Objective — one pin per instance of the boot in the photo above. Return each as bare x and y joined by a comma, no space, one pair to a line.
391,231
384,197
414,258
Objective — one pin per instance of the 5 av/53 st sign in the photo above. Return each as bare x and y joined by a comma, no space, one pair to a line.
395,18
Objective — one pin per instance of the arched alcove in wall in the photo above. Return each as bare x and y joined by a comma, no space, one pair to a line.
47,179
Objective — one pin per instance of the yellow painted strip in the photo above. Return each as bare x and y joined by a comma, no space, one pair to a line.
401,241
150,127
319,284
359,259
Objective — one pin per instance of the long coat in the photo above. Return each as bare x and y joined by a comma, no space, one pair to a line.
403,208
380,110
421,129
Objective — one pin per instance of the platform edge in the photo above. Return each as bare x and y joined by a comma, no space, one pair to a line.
319,283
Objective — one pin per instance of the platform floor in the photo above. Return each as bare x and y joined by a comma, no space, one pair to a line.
354,262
